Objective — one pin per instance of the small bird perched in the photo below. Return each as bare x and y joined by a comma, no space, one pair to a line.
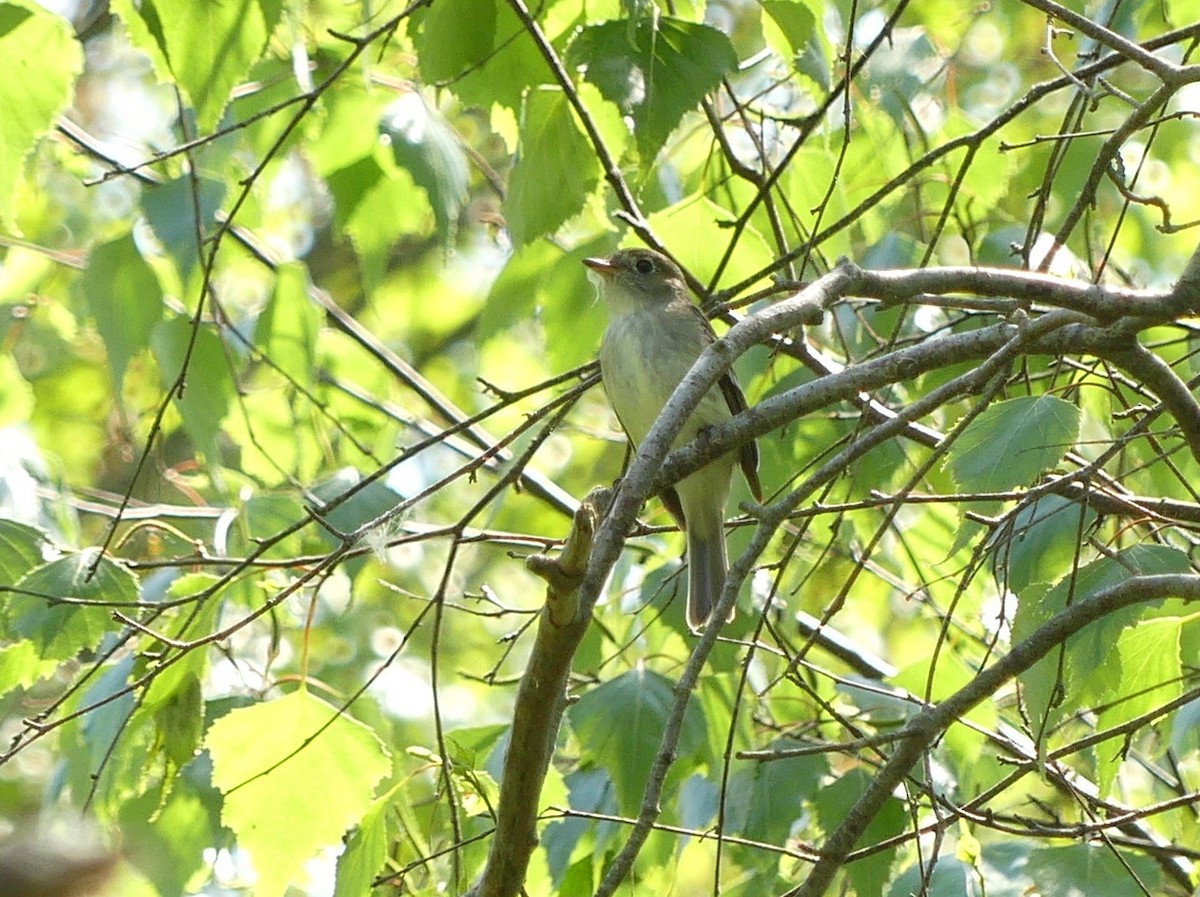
654,336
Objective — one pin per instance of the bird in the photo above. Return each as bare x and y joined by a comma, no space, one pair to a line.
655,334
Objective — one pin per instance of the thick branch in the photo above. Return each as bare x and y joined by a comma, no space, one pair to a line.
1126,309
541,700
1102,301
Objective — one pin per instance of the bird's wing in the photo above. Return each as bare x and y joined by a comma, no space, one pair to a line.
736,400
748,456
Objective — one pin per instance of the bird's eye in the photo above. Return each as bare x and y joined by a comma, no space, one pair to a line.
643,266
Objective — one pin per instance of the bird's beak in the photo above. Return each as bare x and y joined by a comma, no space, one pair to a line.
601,266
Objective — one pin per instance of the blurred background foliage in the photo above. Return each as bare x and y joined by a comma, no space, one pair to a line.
273,274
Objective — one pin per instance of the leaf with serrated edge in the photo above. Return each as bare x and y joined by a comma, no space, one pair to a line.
296,773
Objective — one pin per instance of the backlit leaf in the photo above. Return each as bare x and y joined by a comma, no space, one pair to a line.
555,171
209,47
272,759
41,60
655,68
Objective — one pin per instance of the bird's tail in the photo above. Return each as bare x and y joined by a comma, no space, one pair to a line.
706,575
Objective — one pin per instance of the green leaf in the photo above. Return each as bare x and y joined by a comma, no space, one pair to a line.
366,851
208,386
834,801
896,74
451,36
1043,542
1151,676
61,630
288,327
41,61
144,31
298,742
767,798
180,720
1185,729
125,301
1012,443
530,277
1091,650
21,667
1003,864
556,169
165,839
793,29
479,50
344,139
209,47
893,250
796,22
170,211
264,516
656,68
472,745
1149,654
117,750
589,791
16,399
178,676
365,505
641,700
20,549
567,308
429,150
697,229
375,204
1093,870
951,877
699,801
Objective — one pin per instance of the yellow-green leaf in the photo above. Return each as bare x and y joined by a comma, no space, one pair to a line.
41,60
297,773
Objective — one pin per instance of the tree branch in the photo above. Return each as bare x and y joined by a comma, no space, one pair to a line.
541,700
928,725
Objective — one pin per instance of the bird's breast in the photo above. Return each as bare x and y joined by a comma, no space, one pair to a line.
643,358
